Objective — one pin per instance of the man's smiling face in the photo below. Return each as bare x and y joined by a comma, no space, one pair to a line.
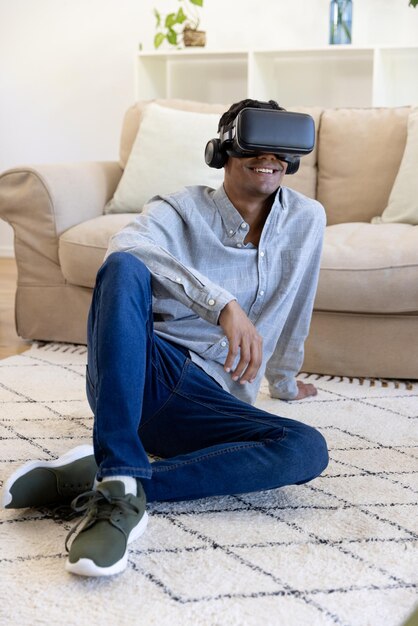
257,176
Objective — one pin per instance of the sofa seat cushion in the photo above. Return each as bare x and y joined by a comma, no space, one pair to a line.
82,247
365,268
369,268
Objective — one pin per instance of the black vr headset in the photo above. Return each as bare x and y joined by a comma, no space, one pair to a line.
270,131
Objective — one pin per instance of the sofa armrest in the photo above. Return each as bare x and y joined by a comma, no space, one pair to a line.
41,203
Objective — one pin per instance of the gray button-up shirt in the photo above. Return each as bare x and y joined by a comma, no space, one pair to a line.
193,244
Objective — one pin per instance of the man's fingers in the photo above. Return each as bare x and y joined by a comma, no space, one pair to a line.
254,364
245,357
244,339
250,360
232,354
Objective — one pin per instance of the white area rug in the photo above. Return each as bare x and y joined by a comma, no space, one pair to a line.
339,550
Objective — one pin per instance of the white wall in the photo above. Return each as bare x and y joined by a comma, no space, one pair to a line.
67,66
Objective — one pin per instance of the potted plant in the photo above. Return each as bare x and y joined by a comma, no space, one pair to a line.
181,26
413,3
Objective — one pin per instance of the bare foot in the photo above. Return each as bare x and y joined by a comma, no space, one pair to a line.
305,390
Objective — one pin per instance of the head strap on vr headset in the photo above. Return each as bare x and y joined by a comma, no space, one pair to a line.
228,132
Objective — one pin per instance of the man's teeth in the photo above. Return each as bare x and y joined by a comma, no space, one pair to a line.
263,170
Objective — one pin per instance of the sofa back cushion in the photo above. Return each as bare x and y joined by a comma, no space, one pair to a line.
403,199
133,118
167,154
305,181
359,154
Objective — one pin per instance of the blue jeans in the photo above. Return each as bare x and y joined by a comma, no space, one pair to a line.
147,395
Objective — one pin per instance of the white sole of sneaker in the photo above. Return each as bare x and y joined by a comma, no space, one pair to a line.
87,567
72,455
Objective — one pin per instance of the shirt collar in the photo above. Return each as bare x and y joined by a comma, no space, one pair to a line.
231,218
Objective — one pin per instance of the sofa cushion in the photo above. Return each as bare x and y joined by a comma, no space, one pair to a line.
368,268
359,154
134,115
403,200
167,154
82,248
365,268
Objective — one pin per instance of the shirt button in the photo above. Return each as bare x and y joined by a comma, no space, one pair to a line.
223,344
231,232
243,225
178,279
261,293
261,253
211,302
239,245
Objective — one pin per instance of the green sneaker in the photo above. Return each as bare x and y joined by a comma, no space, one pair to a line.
50,483
112,520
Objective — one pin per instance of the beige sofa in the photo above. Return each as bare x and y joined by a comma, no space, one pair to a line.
365,321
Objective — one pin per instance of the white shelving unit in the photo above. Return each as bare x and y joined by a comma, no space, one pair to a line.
333,76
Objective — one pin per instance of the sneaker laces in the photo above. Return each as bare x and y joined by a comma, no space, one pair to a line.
63,512
98,506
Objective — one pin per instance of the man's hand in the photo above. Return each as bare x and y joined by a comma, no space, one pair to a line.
305,390
243,337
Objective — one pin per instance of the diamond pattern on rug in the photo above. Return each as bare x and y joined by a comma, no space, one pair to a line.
339,550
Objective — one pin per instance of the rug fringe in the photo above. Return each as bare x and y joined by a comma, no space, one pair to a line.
69,348
409,385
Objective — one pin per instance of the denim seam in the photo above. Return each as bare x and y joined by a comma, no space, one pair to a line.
104,470
244,446
215,410
172,391
128,467
95,324
175,391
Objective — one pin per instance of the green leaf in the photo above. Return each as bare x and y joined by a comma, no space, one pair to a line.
199,3
172,37
181,16
158,40
170,20
158,18
413,3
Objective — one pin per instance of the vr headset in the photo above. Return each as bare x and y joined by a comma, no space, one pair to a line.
264,131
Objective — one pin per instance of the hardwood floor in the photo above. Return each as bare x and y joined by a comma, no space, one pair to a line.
10,342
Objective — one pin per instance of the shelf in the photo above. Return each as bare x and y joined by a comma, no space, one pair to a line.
332,76
195,75
396,76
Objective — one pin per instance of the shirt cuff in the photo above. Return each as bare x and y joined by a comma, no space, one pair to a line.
212,307
285,389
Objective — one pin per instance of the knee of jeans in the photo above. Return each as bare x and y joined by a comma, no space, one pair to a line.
316,447
125,264
308,444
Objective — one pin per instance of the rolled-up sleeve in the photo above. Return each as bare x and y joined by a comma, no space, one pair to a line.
149,237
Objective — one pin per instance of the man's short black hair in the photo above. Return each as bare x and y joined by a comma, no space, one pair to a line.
229,116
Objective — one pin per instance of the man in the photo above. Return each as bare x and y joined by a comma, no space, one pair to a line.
201,296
